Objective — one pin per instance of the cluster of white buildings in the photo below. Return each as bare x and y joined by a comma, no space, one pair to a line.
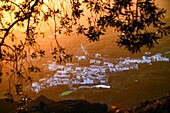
156,57
97,73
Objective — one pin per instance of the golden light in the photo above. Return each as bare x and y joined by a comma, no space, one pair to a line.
113,107
63,5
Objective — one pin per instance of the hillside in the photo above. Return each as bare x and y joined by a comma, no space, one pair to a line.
44,105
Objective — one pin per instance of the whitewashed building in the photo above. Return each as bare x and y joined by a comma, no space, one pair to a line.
97,55
92,61
110,65
52,66
81,58
98,61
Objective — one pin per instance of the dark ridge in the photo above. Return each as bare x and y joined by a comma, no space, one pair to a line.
6,106
44,105
160,105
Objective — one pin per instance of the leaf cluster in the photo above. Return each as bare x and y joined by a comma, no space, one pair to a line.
137,28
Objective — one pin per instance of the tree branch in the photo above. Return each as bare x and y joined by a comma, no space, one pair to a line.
21,19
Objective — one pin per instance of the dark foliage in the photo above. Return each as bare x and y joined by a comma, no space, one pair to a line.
44,105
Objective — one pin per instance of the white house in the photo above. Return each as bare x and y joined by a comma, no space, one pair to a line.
88,81
147,53
35,84
78,69
69,64
97,55
105,63
81,57
52,66
61,74
98,61
110,65
60,67
92,61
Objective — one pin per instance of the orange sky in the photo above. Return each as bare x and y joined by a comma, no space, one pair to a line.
57,4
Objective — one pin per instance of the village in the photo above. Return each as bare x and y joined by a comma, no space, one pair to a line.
95,75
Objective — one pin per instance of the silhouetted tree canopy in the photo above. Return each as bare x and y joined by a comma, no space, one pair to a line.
138,22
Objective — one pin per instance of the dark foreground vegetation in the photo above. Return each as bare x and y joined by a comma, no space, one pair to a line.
45,105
